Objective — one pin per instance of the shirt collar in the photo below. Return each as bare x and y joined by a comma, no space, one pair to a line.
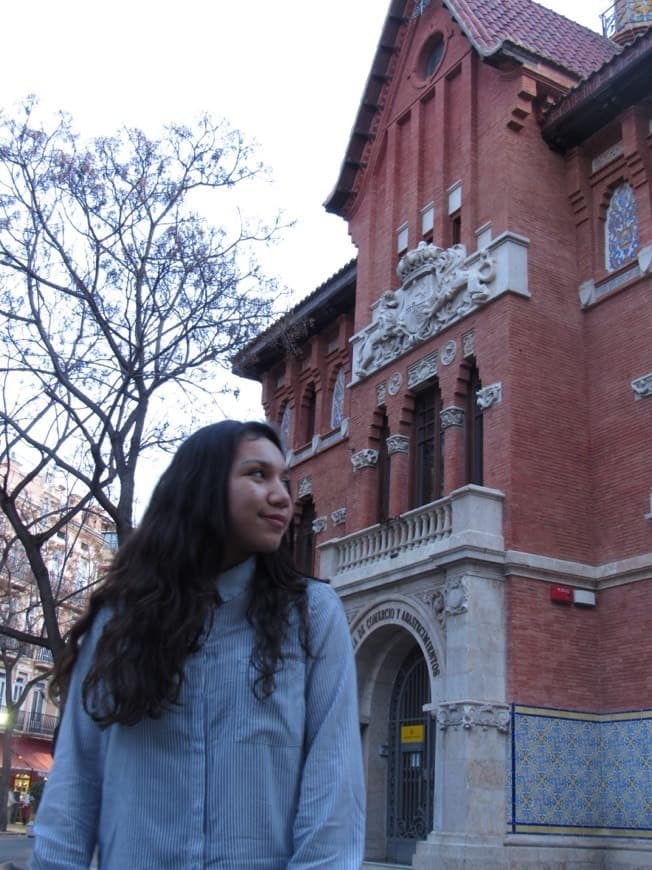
233,582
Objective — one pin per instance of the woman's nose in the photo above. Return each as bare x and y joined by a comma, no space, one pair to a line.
279,493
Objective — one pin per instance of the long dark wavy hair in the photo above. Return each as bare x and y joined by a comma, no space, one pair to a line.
160,590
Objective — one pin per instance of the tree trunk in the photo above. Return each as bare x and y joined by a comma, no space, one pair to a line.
5,773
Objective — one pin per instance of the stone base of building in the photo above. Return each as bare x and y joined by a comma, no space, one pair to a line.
531,852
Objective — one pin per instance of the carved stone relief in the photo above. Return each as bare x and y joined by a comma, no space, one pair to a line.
319,524
364,459
339,516
305,487
488,396
451,599
468,345
351,613
381,393
394,383
438,288
423,369
642,386
397,444
474,714
448,353
451,417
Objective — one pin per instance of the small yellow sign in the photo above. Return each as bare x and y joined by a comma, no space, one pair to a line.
412,733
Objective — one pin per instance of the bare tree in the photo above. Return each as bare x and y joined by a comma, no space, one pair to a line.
118,302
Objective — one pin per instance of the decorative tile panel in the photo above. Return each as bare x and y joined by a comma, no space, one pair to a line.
621,227
579,773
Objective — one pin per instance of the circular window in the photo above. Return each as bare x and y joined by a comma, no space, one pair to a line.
431,55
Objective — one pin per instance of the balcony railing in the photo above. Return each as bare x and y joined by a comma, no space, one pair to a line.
626,15
31,723
471,517
43,656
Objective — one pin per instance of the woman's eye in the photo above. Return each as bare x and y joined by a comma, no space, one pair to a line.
258,473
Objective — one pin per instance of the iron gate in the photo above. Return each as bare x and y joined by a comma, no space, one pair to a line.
410,789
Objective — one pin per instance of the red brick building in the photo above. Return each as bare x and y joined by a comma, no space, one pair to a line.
468,408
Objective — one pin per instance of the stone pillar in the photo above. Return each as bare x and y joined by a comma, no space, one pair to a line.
452,424
473,723
363,486
398,447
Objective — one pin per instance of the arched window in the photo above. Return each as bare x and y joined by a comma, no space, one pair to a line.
285,425
337,403
308,410
621,228
428,447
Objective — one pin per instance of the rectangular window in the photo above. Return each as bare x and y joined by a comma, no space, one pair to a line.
402,239
428,453
456,228
455,197
427,221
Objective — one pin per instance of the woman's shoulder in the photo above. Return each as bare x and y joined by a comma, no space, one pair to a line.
320,590
324,603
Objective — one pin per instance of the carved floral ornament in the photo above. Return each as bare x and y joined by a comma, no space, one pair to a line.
489,396
438,287
423,369
474,714
305,487
397,444
364,459
642,386
451,417
319,524
452,599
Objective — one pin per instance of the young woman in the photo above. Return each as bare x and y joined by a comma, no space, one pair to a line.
210,697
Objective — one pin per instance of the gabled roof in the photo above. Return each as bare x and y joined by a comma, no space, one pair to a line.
516,28
306,318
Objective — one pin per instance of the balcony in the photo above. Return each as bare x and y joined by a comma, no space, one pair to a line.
468,523
624,15
43,656
37,724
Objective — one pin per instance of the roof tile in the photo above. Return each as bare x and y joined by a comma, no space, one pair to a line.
490,24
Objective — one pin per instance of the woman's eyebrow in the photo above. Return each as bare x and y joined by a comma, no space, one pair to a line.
264,463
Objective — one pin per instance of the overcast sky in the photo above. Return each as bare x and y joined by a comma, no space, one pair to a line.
288,73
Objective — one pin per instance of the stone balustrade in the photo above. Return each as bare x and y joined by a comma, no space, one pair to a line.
470,518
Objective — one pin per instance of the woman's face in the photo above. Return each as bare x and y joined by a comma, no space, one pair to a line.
260,508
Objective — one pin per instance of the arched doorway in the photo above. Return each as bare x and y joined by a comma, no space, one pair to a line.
411,759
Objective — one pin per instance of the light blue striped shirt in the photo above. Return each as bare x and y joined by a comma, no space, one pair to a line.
223,780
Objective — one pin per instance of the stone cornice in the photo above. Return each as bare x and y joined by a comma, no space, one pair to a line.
579,574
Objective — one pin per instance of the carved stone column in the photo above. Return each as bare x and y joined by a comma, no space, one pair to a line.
452,423
398,447
363,492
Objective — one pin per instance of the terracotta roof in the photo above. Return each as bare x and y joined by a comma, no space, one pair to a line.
495,25
306,318
622,82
